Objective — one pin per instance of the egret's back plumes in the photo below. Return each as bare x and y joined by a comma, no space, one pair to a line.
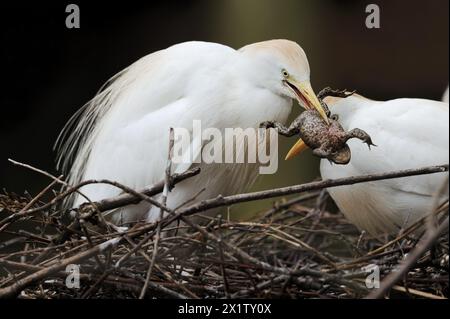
76,139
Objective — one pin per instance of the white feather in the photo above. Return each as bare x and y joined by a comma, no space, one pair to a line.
409,133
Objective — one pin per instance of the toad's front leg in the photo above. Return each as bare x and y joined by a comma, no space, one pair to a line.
292,130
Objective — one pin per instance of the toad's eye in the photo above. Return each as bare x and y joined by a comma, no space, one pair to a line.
285,73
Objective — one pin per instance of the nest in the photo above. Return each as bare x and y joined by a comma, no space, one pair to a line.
299,248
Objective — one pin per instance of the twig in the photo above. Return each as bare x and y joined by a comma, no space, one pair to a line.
56,179
417,292
127,199
4,223
161,212
222,259
110,203
426,242
14,289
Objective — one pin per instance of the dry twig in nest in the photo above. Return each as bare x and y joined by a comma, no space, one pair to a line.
297,249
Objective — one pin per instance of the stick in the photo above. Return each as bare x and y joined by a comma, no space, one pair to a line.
110,203
161,213
425,243
14,289
283,191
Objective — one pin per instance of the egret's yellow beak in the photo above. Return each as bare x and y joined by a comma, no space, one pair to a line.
298,147
307,98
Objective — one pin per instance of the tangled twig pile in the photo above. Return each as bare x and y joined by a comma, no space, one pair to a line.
296,249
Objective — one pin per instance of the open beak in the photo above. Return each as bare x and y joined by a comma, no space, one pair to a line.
308,99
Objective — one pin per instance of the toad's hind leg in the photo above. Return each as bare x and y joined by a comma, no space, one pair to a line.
331,92
361,135
335,93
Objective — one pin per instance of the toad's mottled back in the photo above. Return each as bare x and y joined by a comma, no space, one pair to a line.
326,140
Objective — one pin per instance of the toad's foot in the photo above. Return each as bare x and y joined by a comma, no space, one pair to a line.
331,92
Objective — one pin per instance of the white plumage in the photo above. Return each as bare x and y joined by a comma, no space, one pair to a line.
122,134
409,133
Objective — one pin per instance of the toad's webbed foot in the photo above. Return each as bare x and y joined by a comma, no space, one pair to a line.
267,124
362,135
281,129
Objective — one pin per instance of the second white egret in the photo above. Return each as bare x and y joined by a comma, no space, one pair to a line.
409,133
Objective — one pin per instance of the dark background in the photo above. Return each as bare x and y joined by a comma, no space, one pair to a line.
50,71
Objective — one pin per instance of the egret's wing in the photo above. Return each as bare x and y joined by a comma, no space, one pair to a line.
123,133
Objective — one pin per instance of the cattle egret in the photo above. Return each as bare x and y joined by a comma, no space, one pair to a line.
409,133
122,134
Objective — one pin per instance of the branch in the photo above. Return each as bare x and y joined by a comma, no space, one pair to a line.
283,191
127,199
221,201
109,203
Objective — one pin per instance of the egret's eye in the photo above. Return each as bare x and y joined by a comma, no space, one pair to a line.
335,117
285,73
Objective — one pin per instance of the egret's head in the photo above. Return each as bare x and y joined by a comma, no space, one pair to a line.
286,71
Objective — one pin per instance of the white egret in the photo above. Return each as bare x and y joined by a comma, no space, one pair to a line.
409,133
122,133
